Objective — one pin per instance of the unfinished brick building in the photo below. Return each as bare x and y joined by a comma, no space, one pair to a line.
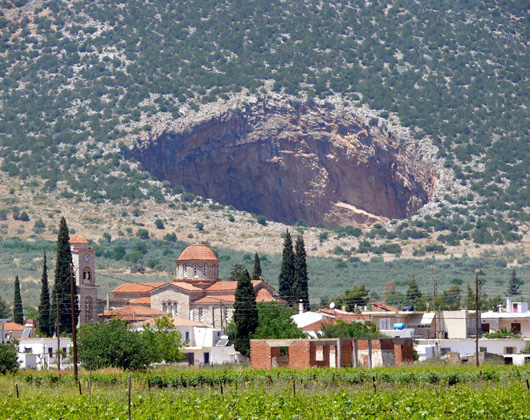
334,352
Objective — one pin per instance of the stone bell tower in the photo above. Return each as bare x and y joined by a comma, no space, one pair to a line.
84,260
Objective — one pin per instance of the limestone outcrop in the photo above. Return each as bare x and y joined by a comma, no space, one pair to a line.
289,160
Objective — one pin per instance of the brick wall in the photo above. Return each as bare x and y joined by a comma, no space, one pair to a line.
346,352
260,355
299,354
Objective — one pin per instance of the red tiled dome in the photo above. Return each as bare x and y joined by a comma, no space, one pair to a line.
78,239
197,252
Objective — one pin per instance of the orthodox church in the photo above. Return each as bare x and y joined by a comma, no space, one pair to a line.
196,293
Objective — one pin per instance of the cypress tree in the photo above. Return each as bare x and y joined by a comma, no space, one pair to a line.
413,292
245,311
61,288
513,285
44,324
18,313
300,286
286,278
256,274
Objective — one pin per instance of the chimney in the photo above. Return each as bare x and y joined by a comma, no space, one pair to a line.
509,307
301,307
108,301
344,309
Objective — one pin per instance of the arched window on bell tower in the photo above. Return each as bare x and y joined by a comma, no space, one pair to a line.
87,276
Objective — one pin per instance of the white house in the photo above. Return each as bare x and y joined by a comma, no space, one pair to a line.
204,345
41,353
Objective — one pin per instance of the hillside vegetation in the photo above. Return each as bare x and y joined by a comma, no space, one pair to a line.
81,82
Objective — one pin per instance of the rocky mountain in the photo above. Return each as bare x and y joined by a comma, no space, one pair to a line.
290,161
85,85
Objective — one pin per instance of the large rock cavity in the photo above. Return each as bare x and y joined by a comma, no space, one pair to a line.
291,161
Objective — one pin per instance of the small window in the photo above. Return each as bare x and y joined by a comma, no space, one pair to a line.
50,351
201,314
444,350
194,271
205,271
213,272
164,307
174,309
187,335
483,349
185,270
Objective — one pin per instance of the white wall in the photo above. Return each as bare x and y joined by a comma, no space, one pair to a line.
34,352
467,346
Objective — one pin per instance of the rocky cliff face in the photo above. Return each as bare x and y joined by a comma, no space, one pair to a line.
291,161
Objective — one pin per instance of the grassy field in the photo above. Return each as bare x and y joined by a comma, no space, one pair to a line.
414,392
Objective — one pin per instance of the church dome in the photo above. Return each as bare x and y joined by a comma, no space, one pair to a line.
78,239
197,252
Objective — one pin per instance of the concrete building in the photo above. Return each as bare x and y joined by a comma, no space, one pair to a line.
41,353
204,345
515,318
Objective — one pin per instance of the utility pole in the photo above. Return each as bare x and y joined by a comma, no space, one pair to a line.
74,332
477,319
58,335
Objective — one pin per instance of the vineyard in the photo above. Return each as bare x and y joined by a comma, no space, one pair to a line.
428,392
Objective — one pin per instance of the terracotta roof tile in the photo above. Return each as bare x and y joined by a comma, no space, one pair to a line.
230,285
197,252
78,239
185,285
216,299
317,325
141,301
136,287
223,286
133,310
13,326
379,306
264,295
177,322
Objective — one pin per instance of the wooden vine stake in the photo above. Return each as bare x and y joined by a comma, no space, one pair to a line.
129,396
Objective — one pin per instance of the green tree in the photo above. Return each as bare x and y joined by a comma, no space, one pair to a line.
300,285
353,298
245,312
61,288
452,297
274,321
287,271
142,233
513,285
256,273
112,344
342,329
9,357
4,308
164,340
18,312
44,325
413,292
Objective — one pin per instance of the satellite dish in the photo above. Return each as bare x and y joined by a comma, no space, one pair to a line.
332,305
